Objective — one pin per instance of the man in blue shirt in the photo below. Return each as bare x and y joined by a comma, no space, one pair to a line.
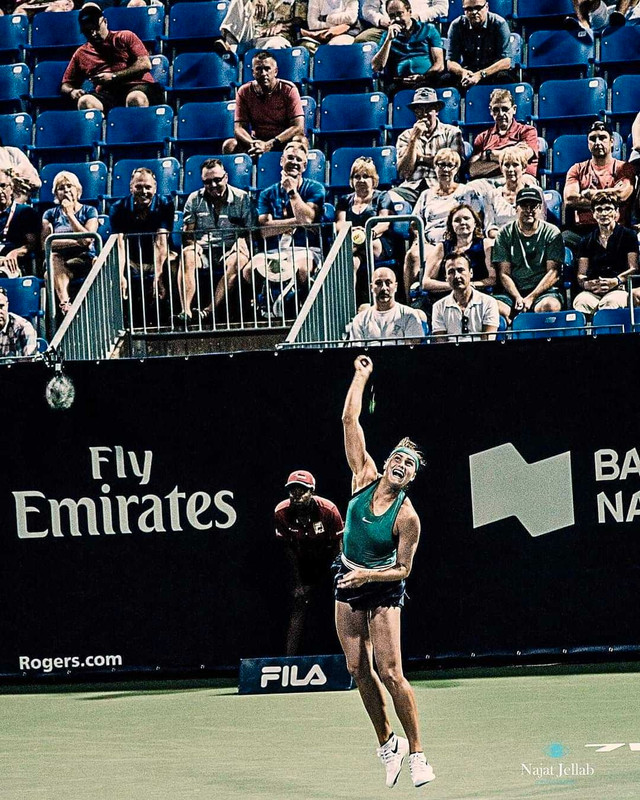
479,46
410,53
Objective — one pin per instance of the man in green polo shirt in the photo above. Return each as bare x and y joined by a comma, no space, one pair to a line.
528,256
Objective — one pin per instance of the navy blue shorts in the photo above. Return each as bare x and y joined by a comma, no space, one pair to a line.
375,594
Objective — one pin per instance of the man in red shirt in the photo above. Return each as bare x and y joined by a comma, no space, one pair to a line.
268,111
601,173
310,529
116,62
506,132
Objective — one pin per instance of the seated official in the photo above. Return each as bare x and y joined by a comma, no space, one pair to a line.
17,335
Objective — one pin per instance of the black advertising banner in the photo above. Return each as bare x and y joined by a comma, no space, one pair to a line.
137,526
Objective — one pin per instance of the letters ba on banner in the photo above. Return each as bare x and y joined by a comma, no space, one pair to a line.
293,674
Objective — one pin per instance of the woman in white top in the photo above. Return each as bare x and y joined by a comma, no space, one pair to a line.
332,22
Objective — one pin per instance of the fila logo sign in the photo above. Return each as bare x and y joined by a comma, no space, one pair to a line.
504,485
288,676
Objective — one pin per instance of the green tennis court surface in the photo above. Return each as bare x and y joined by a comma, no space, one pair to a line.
498,736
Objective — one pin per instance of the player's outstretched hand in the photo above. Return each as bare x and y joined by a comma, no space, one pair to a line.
363,365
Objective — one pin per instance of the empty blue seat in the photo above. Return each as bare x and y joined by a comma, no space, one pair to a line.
202,127
403,118
268,171
14,35
566,107
104,227
625,102
619,50
14,87
553,202
204,76
530,325
239,168
384,159
309,108
160,70
534,14
352,120
293,64
68,135
147,22
91,174
615,320
15,130
145,130
349,69
566,53
166,171
45,92
25,297
55,36
477,114
194,26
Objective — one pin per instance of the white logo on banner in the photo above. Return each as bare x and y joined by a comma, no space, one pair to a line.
288,676
503,485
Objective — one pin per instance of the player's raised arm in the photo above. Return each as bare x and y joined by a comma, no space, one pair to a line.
361,463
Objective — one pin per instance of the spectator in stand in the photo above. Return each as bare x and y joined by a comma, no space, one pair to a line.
268,111
261,24
24,174
374,15
365,201
116,62
602,172
17,335
410,53
284,209
310,529
70,258
19,227
595,15
506,132
606,258
465,311
386,319
215,223
464,236
479,46
417,146
149,215
330,22
528,254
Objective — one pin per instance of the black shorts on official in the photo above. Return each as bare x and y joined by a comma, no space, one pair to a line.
112,98
375,594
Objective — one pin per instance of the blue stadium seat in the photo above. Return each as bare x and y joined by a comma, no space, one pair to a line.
16,130
537,14
145,130
614,320
530,325
293,64
147,22
67,135
566,53
352,120
553,202
160,70
45,92
342,158
402,117
14,35
166,170
516,53
14,87
566,107
194,26
572,148
204,76
55,36
619,51
239,167
104,227
349,69
92,176
625,102
25,297
476,107
202,127
309,108
268,171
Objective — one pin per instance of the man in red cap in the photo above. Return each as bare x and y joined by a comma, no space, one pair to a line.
310,528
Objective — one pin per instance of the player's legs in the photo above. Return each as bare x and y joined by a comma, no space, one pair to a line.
384,627
353,632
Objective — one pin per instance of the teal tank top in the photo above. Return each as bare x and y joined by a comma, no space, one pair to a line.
368,540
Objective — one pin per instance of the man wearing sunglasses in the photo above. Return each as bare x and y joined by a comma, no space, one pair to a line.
465,311
479,46
215,223
17,335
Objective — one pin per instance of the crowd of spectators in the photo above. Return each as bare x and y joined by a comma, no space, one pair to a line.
488,208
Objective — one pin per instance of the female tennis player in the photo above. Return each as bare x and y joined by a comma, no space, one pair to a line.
380,539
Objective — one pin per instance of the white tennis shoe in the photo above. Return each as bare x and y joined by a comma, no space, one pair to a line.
421,771
392,754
